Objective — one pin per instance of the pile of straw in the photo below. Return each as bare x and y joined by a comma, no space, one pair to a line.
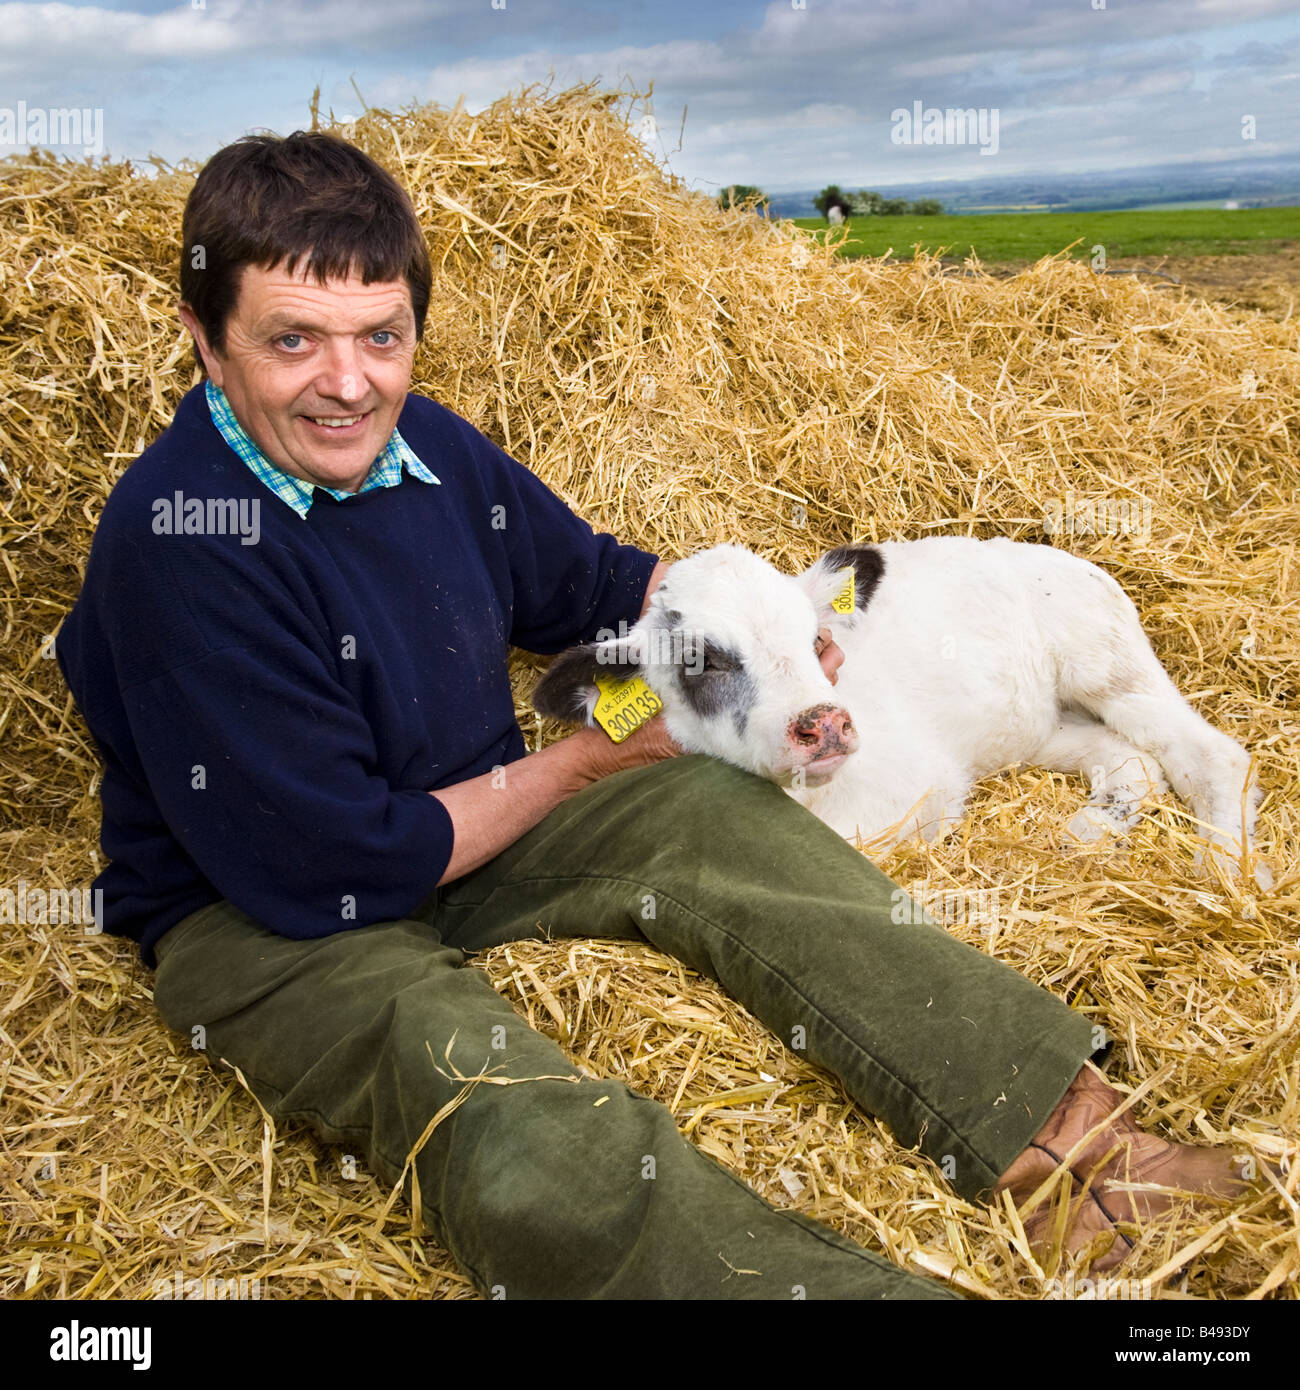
682,376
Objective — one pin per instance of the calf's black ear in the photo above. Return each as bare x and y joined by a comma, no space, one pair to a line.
567,689
822,582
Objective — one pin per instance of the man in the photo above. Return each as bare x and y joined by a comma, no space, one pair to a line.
316,798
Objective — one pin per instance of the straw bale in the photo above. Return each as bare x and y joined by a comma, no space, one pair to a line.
682,376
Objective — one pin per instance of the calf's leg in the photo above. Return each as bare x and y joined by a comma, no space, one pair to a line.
1120,776
1109,670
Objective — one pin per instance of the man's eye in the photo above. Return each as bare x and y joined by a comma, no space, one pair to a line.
384,333
289,340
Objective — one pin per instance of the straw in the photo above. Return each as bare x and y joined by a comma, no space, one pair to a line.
682,375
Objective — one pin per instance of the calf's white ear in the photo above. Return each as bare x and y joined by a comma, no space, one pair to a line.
834,593
567,689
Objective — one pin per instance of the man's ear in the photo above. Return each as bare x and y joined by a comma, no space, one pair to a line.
202,347
567,689
823,580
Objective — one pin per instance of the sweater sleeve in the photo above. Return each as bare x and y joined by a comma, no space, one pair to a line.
236,725
261,767
569,582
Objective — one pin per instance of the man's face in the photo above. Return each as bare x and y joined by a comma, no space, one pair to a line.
316,374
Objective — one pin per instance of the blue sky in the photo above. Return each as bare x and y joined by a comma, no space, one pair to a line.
784,94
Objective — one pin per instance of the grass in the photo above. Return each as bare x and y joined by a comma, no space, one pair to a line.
1025,236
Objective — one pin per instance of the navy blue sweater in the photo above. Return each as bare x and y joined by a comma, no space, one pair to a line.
272,715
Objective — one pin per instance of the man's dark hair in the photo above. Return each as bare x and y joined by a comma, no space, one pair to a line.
268,198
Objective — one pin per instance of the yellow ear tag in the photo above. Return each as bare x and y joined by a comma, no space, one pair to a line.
843,602
624,705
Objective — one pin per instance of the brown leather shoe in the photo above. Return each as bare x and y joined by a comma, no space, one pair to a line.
1121,1176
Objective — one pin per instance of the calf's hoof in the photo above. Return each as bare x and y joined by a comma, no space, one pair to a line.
1223,860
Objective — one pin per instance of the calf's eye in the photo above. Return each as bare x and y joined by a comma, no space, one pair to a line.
708,666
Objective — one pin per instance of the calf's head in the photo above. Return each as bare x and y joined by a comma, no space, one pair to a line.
729,645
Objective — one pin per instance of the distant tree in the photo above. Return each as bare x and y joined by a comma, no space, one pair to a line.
868,203
832,196
737,194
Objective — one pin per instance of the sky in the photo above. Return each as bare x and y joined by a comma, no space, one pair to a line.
785,94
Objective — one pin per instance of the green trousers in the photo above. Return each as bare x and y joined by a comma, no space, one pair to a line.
545,1190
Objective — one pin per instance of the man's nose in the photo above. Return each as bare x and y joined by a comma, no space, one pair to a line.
342,378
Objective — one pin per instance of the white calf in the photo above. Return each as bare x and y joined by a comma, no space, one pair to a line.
962,657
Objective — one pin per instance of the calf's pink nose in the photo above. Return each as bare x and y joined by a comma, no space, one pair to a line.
822,731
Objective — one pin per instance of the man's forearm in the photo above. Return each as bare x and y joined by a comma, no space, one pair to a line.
489,813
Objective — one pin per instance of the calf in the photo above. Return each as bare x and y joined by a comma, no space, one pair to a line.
961,657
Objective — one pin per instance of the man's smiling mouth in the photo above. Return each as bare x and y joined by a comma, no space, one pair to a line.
337,422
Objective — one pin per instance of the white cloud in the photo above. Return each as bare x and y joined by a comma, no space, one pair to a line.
483,80
785,97
45,40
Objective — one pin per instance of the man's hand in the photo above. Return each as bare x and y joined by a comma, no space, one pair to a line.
492,811
829,653
650,744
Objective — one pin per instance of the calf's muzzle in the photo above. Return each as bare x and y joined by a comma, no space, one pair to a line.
822,732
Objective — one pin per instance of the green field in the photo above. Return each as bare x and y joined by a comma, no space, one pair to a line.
1025,236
